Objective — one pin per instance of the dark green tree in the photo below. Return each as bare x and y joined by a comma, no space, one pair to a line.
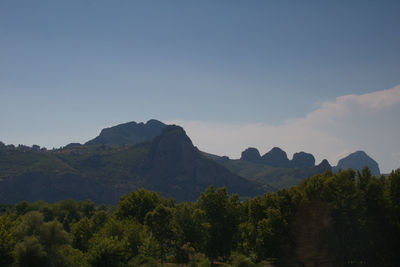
163,226
137,204
220,213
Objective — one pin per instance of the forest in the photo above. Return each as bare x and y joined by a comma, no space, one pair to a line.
346,218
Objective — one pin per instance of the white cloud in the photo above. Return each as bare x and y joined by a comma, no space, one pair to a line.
336,128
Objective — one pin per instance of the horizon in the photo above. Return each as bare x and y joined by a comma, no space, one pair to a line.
323,78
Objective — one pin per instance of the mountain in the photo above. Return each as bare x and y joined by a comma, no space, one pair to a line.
272,177
169,164
251,154
176,168
323,166
302,160
154,156
357,161
276,157
275,170
130,133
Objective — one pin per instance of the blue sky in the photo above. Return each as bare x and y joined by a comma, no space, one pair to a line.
70,68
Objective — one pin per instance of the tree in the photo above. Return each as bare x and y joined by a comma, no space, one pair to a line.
82,231
106,252
161,223
192,226
53,235
223,224
30,252
137,204
126,231
7,240
392,199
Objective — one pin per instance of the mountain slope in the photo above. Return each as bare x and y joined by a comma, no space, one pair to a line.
176,168
169,164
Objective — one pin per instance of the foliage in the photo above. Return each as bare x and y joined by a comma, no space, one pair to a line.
350,218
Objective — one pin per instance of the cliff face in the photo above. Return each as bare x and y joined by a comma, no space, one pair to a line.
176,168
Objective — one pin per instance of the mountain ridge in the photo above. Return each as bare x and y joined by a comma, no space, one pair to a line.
129,133
154,156
169,164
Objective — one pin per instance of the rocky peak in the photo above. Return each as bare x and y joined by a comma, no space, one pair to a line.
357,161
276,157
251,154
302,160
323,166
171,147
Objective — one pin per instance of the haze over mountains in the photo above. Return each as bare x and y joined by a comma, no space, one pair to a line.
154,156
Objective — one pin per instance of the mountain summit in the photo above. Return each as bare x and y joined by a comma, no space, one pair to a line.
357,161
276,157
129,133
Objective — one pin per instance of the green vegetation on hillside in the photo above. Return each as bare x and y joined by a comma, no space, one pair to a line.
342,219
169,164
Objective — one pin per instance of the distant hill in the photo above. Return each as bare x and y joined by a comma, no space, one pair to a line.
274,169
154,156
277,158
169,164
282,173
357,161
130,133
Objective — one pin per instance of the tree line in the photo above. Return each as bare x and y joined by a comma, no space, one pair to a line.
331,219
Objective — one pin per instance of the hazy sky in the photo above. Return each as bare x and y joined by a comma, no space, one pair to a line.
233,73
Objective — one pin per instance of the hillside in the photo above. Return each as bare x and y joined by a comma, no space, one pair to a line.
170,164
153,156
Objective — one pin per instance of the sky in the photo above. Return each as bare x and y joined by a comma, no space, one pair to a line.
315,76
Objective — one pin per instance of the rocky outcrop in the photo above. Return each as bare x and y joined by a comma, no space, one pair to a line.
276,157
323,167
357,161
302,160
251,154
129,133
177,169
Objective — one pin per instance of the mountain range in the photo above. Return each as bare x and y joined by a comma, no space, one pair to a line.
154,156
